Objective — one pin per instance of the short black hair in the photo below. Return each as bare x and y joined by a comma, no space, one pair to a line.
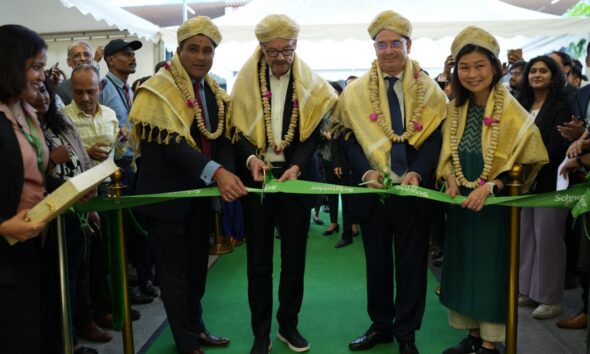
517,64
17,45
566,60
461,93
54,119
556,88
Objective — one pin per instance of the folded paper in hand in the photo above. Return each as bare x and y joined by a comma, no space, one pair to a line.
69,193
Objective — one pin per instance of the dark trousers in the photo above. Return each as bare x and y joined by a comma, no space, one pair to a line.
347,220
181,250
293,223
332,198
138,245
395,238
21,311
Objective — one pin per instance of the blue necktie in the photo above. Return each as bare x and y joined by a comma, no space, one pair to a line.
398,150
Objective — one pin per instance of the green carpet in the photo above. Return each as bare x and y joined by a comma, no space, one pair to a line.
334,304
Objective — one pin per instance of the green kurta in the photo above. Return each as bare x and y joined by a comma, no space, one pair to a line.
475,270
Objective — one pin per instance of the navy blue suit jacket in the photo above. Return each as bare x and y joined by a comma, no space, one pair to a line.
581,101
178,166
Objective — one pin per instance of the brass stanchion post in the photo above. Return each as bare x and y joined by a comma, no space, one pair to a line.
219,247
514,186
117,188
64,286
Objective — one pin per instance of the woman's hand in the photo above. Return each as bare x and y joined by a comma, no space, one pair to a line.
476,199
577,148
20,229
452,186
60,154
374,180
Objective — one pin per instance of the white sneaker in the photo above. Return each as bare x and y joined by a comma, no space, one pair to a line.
545,312
524,300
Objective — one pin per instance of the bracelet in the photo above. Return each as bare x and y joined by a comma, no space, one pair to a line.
493,188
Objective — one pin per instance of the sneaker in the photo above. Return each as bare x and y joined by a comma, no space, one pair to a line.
294,340
483,350
524,300
545,312
468,345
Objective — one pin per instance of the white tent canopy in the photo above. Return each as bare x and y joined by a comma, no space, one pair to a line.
67,16
334,41
348,19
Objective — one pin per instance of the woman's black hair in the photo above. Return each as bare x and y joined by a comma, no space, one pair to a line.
461,93
17,45
556,88
53,119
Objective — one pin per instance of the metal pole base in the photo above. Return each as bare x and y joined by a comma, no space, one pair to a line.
220,248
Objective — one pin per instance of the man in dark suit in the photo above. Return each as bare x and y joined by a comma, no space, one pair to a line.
391,122
278,103
179,118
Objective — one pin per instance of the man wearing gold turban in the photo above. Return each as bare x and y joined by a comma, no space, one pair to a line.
390,120
278,103
179,118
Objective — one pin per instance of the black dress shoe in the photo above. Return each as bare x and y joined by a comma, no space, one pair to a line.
408,348
469,344
196,351
261,345
294,340
342,243
137,298
149,289
369,340
334,230
206,339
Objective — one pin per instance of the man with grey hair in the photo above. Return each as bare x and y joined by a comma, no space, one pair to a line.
78,53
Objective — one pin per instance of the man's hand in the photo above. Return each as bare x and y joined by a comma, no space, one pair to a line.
374,179
568,167
98,54
96,152
411,178
229,185
476,199
338,172
572,130
18,228
257,167
292,172
577,148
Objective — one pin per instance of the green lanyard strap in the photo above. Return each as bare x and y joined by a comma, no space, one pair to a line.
35,142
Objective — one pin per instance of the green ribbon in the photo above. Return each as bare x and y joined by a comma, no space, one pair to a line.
576,198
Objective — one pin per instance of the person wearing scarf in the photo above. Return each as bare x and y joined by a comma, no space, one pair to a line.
390,122
179,118
486,133
278,104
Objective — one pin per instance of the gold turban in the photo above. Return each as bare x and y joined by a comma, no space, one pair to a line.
392,21
199,25
476,36
276,26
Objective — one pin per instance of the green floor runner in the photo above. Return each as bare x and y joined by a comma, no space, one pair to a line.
334,305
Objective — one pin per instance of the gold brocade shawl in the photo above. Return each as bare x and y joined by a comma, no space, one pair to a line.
519,139
316,99
159,103
354,108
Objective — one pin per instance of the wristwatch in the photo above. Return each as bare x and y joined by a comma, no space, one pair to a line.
494,190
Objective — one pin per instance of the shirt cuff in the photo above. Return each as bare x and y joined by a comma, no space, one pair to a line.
248,161
365,175
209,171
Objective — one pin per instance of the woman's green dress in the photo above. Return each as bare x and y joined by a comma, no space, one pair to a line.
475,269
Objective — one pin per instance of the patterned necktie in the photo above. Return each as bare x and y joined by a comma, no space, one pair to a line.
127,96
205,143
399,163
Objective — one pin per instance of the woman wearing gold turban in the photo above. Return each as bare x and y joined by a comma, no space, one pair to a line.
486,133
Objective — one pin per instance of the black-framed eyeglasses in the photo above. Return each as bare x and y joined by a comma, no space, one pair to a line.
396,44
286,52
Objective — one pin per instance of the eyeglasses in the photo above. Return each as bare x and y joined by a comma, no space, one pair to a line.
393,44
286,52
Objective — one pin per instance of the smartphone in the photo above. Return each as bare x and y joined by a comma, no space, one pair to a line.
55,65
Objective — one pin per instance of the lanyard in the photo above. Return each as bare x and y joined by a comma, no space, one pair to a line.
125,99
35,141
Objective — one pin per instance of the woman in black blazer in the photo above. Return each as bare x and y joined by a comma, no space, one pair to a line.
24,157
542,230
